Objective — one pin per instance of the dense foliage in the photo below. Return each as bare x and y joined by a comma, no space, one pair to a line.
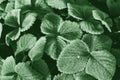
59,39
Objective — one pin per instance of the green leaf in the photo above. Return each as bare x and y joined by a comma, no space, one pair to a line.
8,66
7,77
21,3
103,17
64,77
9,6
13,35
28,21
83,76
41,67
80,12
1,28
92,27
76,57
116,53
70,30
58,4
73,57
97,42
38,49
25,43
113,6
101,65
12,19
54,46
50,23
26,72
2,1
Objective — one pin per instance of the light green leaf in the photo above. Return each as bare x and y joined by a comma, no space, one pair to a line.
25,43
101,65
113,6
92,27
103,17
76,57
58,4
64,77
21,3
28,21
50,23
8,66
73,57
38,49
13,35
54,46
97,42
83,76
41,67
26,72
7,77
2,1
1,28
70,30
80,12
12,19
9,6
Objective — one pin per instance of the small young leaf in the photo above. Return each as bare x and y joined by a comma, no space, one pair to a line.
58,4
70,30
50,23
28,21
26,72
103,17
12,19
73,57
25,43
13,35
64,77
38,49
54,46
92,27
1,28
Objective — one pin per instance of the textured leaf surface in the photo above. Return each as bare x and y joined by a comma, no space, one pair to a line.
13,35
12,19
58,4
76,57
41,67
21,3
25,43
64,77
101,65
92,27
103,17
70,30
98,42
8,66
83,76
26,72
28,21
50,23
54,46
80,12
37,51
73,57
